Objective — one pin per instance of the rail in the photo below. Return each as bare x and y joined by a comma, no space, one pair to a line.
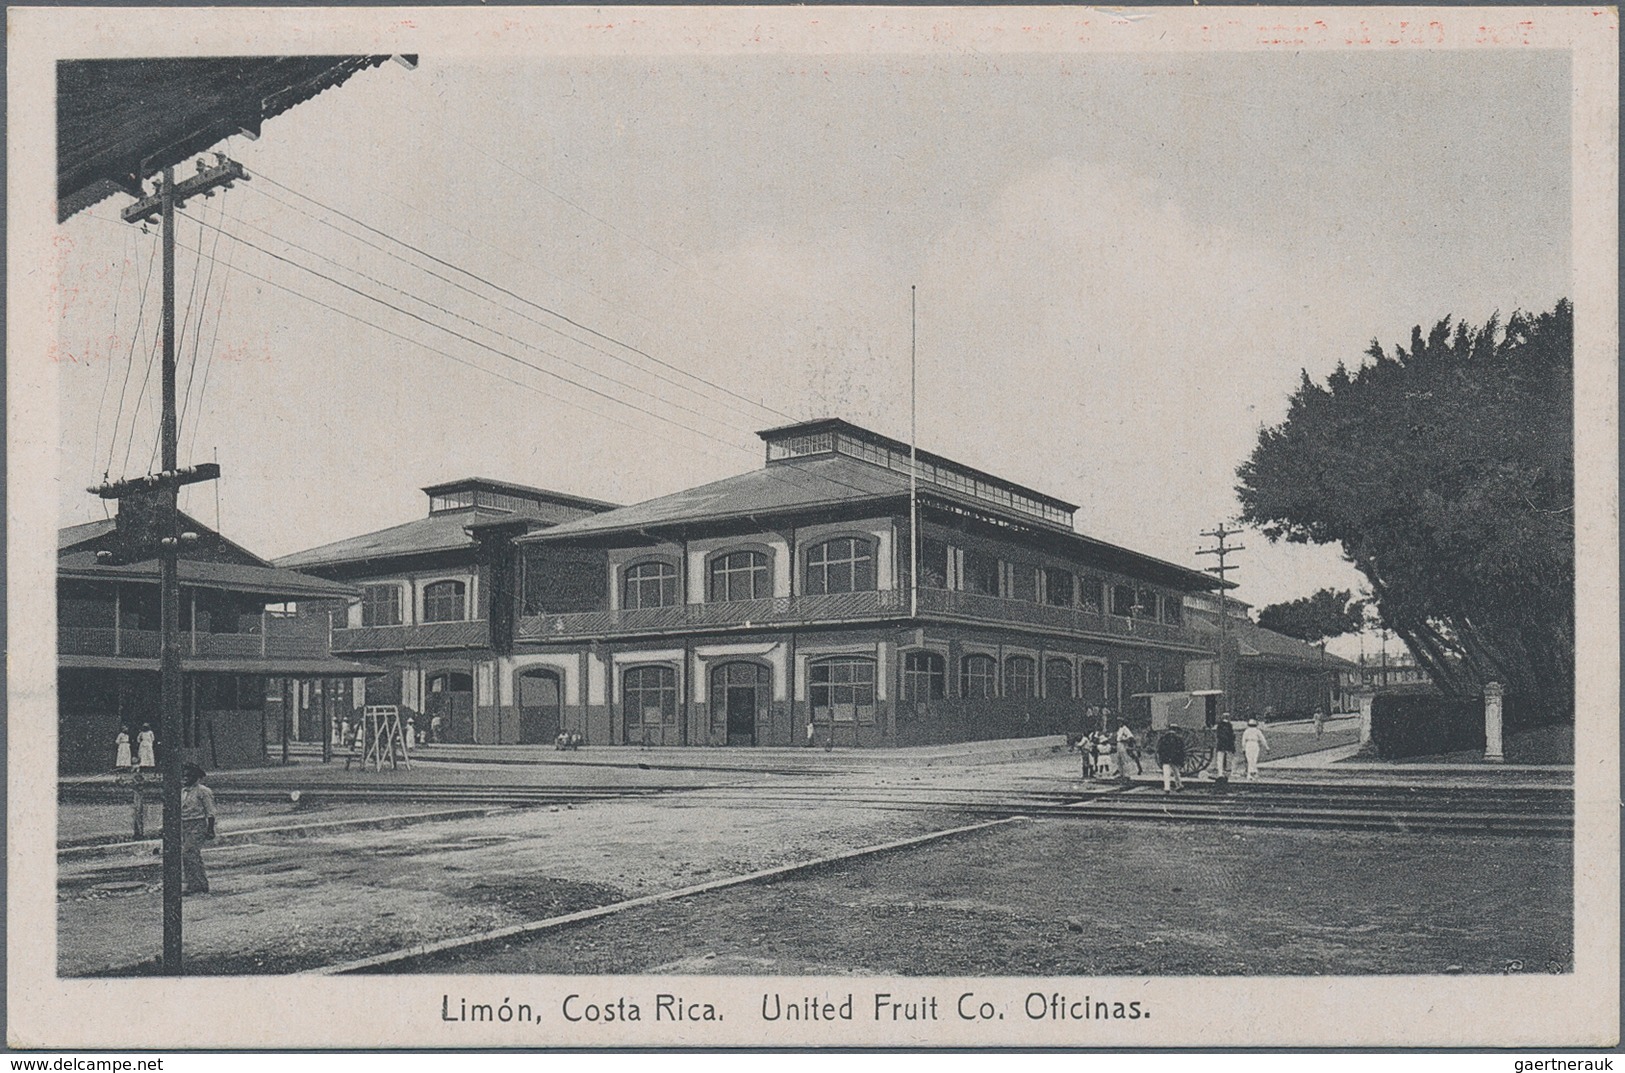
277,638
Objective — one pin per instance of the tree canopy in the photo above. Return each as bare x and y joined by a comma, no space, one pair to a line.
1318,617
1445,471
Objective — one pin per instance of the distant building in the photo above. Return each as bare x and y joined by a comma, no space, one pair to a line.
1271,670
1385,670
743,611
236,636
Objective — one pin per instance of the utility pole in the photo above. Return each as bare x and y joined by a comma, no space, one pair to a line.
149,526
1221,549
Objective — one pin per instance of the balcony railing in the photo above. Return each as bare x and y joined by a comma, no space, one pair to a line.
982,608
419,636
935,604
279,638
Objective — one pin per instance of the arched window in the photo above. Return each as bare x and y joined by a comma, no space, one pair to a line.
845,564
1058,678
650,584
443,602
842,689
978,677
649,696
925,676
1020,676
740,575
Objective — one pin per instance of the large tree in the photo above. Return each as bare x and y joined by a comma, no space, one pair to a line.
1445,471
1318,617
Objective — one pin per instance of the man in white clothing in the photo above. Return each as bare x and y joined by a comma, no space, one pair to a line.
1253,742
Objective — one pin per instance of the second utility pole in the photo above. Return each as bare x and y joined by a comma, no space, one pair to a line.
1221,533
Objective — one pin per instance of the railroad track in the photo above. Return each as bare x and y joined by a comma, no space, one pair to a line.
1465,809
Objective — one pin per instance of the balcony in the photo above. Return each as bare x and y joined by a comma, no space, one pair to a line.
976,607
934,605
278,638
736,614
416,637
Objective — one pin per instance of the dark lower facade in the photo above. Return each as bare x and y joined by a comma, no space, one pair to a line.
865,686
222,719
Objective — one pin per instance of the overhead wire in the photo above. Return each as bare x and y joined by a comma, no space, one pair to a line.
208,361
197,335
535,305
180,344
697,392
141,308
107,377
459,316
504,354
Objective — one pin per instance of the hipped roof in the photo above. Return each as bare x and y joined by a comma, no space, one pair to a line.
835,483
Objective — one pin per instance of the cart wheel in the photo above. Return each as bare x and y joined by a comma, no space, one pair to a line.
1197,758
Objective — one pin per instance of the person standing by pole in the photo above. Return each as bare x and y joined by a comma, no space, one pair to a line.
197,827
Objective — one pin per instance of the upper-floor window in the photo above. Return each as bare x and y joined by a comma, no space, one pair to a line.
1057,587
1020,676
443,602
651,584
978,677
981,573
1089,592
924,676
1122,600
381,605
740,575
845,564
933,564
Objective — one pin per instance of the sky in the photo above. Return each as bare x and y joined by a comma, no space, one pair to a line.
1122,264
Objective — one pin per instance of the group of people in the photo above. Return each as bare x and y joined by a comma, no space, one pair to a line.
1106,755
146,749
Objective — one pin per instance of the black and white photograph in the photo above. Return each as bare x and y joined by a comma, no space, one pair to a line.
814,527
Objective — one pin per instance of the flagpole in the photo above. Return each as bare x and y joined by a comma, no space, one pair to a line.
913,461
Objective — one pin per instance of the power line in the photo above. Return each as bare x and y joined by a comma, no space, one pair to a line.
470,339
197,335
141,309
492,372
509,309
208,361
107,377
551,312
453,313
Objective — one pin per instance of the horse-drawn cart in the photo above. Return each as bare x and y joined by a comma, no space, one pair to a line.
1189,715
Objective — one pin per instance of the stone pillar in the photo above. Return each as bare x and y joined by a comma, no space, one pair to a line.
1365,716
1493,694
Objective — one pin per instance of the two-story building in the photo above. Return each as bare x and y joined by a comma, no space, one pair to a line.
237,635
1271,673
744,611
437,597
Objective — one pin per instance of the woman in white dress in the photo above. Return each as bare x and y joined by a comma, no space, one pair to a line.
145,742
122,760
1252,742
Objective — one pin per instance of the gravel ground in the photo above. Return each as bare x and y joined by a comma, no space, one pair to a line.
1068,898
280,904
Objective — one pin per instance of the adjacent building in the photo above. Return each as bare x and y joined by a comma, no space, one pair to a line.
239,632
1269,671
435,607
